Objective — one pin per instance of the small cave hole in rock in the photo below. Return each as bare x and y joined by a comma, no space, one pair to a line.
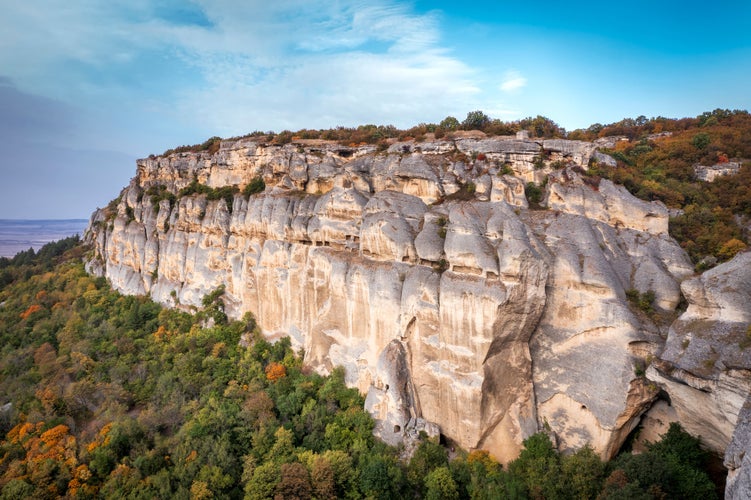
387,388
664,396
397,428
584,407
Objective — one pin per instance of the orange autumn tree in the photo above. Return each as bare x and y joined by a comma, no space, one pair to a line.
275,371
49,457
31,310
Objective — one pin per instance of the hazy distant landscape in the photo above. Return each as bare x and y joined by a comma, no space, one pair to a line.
17,235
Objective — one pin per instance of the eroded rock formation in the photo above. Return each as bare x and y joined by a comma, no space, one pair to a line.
450,304
705,366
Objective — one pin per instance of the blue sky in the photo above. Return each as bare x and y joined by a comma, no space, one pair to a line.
87,86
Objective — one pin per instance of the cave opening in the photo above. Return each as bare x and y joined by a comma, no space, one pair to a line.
714,465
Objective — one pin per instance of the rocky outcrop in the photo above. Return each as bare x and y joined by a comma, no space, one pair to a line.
738,457
705,366
421,271
604,159
712,172
604,201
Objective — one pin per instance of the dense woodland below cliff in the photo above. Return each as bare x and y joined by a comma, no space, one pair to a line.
112,396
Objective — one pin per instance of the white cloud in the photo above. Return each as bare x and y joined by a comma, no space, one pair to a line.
513,81
344,89
253,64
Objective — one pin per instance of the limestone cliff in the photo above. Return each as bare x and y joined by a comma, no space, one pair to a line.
422,271
705,366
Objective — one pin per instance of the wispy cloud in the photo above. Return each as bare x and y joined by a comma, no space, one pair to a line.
236,65
513,81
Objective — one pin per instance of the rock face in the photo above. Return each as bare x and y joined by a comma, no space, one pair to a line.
738,458
422,272
705,366
710,173
706,362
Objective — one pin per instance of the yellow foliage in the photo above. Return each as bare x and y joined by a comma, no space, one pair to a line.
102,438
55,444
219,349
200,490
481,456
73,486
104,432
80,476
160,334
730,248
19,432
83,473
55,434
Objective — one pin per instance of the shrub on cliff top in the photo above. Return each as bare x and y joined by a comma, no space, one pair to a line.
475,120
211,145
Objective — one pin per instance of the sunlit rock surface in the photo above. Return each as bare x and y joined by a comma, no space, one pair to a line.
705,366
449,303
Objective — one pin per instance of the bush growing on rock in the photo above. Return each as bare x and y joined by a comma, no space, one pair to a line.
254,186
534,194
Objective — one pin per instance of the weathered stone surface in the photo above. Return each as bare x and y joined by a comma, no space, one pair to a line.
706,363
582,348
391,396
738,457
604,159
577,151
498,145
389,226
710,173
654,424
602,200
509,189
451,308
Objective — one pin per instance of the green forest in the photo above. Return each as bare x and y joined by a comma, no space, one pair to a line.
112,396
657,163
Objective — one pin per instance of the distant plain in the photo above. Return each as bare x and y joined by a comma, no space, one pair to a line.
17,235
